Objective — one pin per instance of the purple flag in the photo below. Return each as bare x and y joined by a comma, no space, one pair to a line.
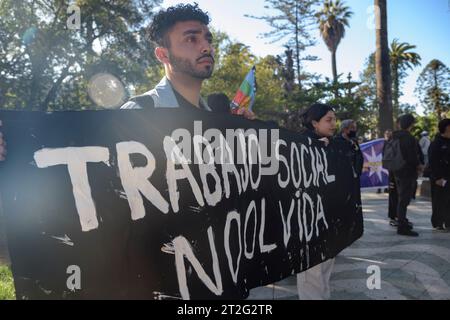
373,175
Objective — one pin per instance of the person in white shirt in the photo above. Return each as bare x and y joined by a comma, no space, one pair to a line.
424,144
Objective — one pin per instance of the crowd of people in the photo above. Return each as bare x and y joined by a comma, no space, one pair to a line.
415,158
184,47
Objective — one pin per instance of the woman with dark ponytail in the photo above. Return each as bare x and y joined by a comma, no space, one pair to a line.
319,121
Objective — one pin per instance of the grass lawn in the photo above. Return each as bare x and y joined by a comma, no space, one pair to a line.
6,284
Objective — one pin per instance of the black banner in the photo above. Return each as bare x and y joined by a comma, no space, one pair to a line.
168,204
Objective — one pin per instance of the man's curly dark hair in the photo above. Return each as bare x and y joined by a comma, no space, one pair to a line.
164,20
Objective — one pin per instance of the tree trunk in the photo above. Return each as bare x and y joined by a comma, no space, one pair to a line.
395,93
335,77
437,106
333,65
297,47
383,70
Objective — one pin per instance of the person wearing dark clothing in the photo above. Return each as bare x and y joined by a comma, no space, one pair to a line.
348,137
219,103
314,284
272,124
392,201
405,178
439,161
392,190
348,134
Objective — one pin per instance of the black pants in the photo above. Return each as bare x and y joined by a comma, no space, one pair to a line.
413,196
393,197
440,200
405,185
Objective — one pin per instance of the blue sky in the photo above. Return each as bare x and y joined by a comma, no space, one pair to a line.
424,23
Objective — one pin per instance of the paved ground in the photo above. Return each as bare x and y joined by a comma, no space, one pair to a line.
411,268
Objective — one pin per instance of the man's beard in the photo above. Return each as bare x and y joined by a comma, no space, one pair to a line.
185,66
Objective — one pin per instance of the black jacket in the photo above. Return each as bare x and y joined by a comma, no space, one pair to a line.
439,158
310,134
355,154
348,187
410,151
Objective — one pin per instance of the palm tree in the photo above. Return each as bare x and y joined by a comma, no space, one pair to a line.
383,69
332,19
401,59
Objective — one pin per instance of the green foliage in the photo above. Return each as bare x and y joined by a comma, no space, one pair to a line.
46,66
433,88
292,23
231,69
153,76
269,97
233,61
7,291
368,92
275,98
426,123
296,104
402,59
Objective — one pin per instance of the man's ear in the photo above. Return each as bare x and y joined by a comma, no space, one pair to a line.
162,54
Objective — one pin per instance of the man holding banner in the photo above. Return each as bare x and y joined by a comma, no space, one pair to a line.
121,203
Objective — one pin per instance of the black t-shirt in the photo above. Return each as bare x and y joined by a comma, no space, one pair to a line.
184,103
